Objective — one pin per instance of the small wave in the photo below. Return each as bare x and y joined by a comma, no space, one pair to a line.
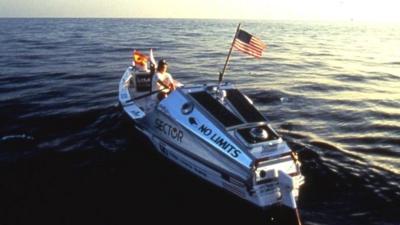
391,104
17,137
291,65
317,54
381,76
315,87
325,145
121,49
384,127
17,146
293,134
265,97
349,77
34,57
382,115
28,41
19,79
379,151
393,63
274,46
375,141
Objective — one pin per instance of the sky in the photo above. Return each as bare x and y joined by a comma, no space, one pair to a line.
315,10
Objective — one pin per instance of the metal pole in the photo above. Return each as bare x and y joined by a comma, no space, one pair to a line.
221,74
298,216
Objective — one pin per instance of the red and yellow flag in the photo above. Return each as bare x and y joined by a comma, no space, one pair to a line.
139,58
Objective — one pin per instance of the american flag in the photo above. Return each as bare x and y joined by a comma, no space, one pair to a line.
249,44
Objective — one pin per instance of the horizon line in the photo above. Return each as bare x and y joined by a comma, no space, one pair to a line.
202,18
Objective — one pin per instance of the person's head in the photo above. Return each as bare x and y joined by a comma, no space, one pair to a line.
162,66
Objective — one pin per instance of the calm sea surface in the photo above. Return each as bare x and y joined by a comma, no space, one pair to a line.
68,155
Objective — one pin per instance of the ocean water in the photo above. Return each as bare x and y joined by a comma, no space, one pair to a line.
68,155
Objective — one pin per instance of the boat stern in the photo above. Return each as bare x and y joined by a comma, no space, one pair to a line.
277,181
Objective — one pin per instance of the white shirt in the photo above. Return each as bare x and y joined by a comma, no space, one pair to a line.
166,78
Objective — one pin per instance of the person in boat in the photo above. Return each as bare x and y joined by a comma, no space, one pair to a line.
162,80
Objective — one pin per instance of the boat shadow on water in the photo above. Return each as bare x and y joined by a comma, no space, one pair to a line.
131,186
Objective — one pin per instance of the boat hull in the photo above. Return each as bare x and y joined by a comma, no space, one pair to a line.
263,195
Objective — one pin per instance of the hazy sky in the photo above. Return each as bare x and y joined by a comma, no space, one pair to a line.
358,10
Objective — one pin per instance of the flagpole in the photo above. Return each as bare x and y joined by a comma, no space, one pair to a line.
221,74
